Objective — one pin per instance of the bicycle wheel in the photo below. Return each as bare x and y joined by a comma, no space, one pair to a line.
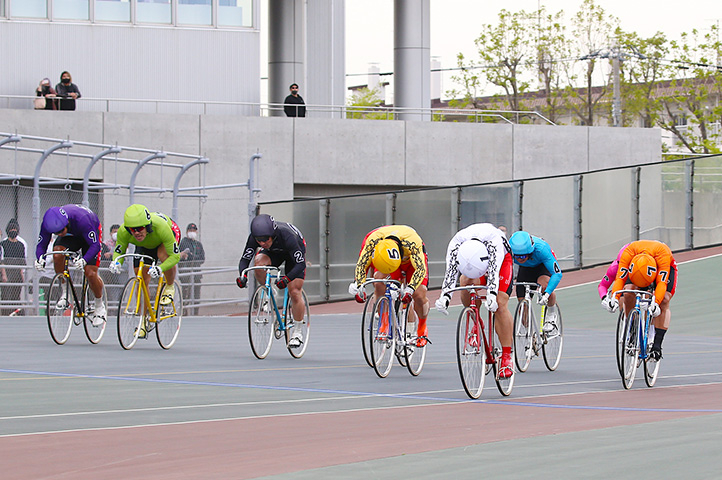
470,353
505,385
365,327
382,337
60,310
415,355
651,367
169,318
261,322
631,349
94,334
303,327
523,348
130,313
620,340
401,314
553,340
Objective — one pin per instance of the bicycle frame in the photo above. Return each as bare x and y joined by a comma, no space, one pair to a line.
79,303
474,300
531,289
152,310
271,272
642,301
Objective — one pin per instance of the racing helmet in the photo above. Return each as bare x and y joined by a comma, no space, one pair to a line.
521,243
55,220
263,226
642,270
473,258
387,257
136,216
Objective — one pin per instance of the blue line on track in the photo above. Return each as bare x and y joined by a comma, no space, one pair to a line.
366,394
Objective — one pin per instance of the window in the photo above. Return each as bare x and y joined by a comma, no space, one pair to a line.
194,12
234,13
71,9
112,10
153,11
29,8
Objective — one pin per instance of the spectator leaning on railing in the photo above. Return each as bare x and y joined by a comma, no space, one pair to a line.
67,92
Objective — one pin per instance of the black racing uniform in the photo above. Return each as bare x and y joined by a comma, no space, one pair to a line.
288,246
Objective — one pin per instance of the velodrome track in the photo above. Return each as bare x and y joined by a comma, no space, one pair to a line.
207,409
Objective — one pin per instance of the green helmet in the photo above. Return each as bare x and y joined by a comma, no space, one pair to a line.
136,215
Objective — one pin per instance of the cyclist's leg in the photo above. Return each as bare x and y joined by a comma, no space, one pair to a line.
295,289
58,260
503,319
379,288
465,295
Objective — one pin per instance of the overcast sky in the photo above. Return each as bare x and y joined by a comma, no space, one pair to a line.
456,23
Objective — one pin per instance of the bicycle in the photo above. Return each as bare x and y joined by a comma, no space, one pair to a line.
636,345
139,313
621,324
65,309
265,320
476,358
530,337
387,330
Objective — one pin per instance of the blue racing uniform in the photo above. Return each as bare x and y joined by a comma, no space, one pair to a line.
542,257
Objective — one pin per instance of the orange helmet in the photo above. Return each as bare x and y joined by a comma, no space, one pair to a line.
387,257
642,270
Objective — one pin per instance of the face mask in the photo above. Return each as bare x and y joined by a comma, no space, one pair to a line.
65,81
12,233
114,235
192,235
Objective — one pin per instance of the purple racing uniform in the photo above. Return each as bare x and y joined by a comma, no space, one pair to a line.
83,226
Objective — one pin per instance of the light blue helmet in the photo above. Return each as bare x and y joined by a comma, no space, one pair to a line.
521,243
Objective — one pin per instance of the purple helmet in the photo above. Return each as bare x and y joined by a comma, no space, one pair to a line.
55,220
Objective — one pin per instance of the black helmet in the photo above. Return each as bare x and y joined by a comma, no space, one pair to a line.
263,226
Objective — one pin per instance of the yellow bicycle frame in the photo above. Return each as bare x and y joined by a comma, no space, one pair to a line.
153,311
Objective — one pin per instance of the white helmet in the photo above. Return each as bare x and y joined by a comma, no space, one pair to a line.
473,259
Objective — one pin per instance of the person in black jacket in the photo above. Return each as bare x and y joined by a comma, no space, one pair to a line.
67,92
293,105
192,257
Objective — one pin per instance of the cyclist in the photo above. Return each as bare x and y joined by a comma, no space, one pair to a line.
279,243
537,263
607,280
396,252
77,229
155,235
648,264
480,255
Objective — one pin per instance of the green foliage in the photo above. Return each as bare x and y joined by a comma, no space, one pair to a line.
366,104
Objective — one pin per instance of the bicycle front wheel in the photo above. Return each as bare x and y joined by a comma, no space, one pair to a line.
523,347
303,327
366,327
621,322
553,339
503,384
651,367
60,309
168,319
93,333
130,314
630,354
470,353
415,354
382,340
261,322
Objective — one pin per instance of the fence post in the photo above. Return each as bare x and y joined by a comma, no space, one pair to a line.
176,185
636,179
455,210
689,191
518,207
390,209
253,189
140,165
578,187
324,212
86,177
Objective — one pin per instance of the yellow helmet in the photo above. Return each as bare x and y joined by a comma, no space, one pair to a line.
642,270
387,257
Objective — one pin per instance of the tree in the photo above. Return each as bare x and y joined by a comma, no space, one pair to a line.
551,48
365,103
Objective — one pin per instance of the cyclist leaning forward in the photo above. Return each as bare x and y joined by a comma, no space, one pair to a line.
396,252
279,243
479,254
648,264
78,229
155,235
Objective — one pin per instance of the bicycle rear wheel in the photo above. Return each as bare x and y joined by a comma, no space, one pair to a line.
470,353
365,327
505,385
621,322
553,339
382,340
261,322
651,367
630,355
523,348
130,314
60,310
415,355
168,319
94,334
304,327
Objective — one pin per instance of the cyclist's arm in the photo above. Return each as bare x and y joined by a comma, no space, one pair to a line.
94,247
663,273
248,253
298,253
364,261
121,244
623,271
553,266
608,278
452,267
171,248
43,241
416,254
